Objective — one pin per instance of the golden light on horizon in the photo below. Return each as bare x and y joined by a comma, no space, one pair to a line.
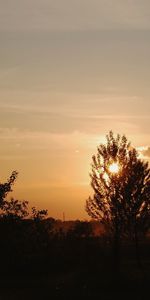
114,168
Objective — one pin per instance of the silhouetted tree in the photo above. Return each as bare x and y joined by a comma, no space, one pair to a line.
15,209
11,209
121,184
38,215
42,234
6,187
82,229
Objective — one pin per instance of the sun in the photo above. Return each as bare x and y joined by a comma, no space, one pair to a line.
114,168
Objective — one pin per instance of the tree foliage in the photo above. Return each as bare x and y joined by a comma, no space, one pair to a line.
15,209
6,187
121,199
38,215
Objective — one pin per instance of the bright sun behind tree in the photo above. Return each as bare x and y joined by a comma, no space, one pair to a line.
114,168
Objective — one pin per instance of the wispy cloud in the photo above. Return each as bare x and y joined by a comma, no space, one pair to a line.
66,113
39,140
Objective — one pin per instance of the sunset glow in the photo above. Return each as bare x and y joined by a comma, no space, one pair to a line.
70,72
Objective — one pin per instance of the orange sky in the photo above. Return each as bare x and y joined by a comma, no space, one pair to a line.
70,72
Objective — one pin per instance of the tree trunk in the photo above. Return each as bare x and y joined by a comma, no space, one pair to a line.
116,251
137,248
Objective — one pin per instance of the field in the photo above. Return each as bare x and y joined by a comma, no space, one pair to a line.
71,267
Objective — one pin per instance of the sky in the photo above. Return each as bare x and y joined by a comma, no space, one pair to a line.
70,71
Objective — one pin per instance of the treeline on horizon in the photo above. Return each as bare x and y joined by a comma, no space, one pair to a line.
31,239
34,238
75,255
89,254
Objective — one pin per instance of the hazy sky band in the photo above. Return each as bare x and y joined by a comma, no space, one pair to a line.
74,15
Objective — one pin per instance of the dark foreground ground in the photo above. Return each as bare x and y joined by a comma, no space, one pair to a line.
72,269
72,286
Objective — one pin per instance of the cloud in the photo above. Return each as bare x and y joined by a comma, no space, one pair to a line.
64,114
144,152
40,140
